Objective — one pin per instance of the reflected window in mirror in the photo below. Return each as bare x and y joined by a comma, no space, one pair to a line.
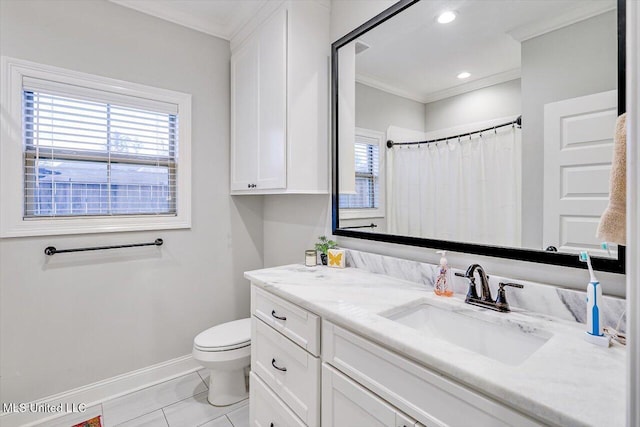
367,199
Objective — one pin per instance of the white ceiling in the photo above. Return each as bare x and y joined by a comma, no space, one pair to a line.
220,18
413,56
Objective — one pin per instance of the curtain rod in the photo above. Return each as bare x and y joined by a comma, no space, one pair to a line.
516,122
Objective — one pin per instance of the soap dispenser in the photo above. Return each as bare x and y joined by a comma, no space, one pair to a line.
443,285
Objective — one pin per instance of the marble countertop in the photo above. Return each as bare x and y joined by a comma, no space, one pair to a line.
566,382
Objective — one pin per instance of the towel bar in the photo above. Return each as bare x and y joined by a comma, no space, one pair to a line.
51,250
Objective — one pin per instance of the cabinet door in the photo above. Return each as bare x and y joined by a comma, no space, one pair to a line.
272,107
259,108
346,403
244,115
266,409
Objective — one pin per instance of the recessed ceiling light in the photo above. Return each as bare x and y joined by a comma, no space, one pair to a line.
446,17
464,75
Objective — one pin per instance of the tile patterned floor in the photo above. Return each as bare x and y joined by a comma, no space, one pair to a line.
180,402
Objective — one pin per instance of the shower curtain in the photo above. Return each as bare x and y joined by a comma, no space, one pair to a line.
467,190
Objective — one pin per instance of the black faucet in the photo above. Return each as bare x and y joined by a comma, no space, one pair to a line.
484,281
486,300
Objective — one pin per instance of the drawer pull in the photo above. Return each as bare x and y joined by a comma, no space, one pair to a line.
273,313
273,363
271,425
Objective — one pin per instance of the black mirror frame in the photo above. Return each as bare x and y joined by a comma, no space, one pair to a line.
567,260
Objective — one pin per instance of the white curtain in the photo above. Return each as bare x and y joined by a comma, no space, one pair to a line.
467,190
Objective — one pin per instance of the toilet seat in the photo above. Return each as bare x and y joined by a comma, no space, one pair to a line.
225,337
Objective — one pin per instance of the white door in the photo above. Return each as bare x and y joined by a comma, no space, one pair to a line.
346,403
578,148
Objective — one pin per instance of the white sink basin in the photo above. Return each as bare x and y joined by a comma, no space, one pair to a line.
511,344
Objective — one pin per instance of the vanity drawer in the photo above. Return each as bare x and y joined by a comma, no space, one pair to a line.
292,373
422,394
299,325
266,409
346,403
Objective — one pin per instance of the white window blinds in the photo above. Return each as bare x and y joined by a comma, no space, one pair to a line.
89,152
367,166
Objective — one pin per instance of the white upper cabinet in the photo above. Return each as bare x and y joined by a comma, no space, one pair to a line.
279,101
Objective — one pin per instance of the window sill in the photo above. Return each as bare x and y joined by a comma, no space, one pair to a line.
361,213
68,226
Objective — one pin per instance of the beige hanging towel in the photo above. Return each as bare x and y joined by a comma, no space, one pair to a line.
613,222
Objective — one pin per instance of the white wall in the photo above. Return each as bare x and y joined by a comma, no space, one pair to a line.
74,319
292,224
500,100
556,66
377,110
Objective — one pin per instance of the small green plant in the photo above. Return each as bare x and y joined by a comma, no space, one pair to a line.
325,244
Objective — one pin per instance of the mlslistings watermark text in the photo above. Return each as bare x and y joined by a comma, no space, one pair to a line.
44,408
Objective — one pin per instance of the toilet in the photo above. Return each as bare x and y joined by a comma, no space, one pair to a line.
225,350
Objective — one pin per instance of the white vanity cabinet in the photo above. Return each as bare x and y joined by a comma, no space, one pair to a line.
354,382
425,395
285,369
279,101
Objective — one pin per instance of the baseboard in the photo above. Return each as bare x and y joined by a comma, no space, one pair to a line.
104,390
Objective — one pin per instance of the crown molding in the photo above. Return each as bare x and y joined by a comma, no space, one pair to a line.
483,82
491,80
585,10
377,84
240,34
190,20
235,30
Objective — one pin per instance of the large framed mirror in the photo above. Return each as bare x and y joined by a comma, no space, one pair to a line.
480,126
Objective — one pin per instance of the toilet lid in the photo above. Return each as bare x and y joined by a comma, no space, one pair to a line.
226,336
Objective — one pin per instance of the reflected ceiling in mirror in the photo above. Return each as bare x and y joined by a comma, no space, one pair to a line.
492,129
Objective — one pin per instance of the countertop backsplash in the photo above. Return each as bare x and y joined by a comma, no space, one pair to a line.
550,300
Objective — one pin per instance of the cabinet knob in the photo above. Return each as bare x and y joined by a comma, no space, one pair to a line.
248,185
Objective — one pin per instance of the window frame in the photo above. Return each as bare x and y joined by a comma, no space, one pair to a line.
12,152
379,212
